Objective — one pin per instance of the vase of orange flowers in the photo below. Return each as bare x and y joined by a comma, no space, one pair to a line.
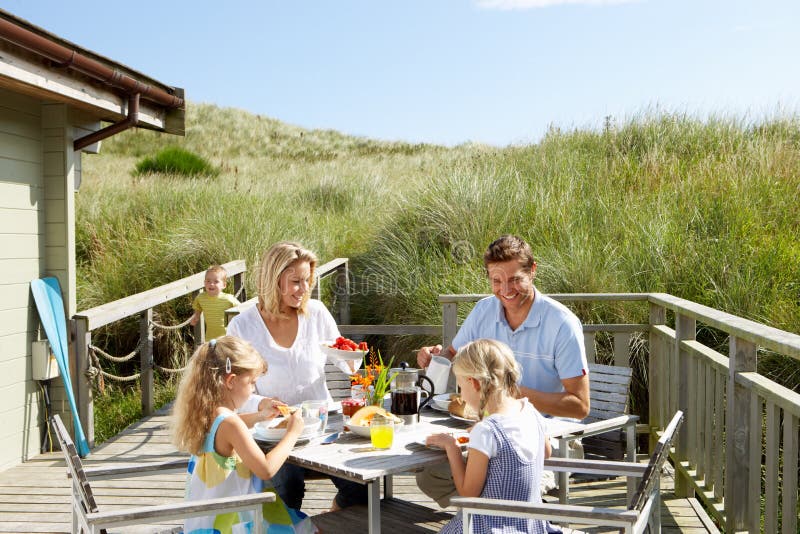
374,380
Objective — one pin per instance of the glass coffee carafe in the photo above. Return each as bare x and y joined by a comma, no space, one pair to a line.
408,394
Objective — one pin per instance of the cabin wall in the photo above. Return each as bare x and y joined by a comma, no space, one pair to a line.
22,251
61,173
38,174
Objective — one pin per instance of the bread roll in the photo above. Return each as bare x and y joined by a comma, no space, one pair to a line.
459,408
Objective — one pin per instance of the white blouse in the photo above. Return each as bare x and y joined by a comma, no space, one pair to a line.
297,373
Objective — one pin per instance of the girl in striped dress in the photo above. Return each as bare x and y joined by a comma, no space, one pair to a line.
226,461
507,447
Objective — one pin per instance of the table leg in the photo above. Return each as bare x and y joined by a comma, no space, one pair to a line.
374,506
388,487
562,478
630,439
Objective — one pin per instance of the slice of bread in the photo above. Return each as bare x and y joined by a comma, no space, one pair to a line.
459,408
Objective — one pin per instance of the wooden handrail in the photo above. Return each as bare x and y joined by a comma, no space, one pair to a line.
762,335
125,307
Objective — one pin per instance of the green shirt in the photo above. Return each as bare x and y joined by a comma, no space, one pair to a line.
213,309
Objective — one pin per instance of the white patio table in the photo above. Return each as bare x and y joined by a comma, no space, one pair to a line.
352,457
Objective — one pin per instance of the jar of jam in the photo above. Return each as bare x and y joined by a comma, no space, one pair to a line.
351,406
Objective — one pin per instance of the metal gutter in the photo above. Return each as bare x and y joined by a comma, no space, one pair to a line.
68,58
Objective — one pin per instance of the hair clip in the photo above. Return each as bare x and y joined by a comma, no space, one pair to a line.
212,344
227,366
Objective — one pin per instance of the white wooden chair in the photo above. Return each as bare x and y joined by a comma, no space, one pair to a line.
643,509
87,517
610,432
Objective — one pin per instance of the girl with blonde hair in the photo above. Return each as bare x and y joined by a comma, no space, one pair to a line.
507,446
226,461
287,327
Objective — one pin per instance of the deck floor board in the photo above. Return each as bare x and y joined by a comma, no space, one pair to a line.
35,496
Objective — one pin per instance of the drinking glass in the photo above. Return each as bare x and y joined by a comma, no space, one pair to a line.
381,433
316,408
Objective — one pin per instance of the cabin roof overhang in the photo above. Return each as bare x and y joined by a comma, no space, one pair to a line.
45,66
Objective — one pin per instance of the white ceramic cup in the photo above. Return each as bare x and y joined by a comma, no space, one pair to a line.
439,373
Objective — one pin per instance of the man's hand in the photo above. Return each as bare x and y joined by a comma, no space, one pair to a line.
573,402
425,353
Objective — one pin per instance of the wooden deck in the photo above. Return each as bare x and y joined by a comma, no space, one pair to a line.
35,496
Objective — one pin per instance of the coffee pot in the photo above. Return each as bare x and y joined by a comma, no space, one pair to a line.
408,394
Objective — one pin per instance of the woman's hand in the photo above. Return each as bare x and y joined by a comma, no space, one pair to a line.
425,353
443,441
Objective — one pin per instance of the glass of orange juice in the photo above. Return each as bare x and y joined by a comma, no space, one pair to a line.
381,432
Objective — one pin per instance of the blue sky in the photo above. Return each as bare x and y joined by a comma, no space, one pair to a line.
451,71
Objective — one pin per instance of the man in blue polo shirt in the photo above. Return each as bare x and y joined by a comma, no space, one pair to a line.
546,337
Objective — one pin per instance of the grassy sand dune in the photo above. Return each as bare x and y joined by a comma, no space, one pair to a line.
705,210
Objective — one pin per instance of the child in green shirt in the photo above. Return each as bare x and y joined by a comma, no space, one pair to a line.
212,303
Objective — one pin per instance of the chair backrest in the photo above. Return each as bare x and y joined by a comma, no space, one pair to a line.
657,459
609,387
81,488
338,382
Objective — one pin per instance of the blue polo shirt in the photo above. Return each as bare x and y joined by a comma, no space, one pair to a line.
548,345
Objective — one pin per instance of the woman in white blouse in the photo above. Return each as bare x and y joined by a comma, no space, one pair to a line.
287,328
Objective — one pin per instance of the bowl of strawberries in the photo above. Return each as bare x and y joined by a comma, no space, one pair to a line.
345,349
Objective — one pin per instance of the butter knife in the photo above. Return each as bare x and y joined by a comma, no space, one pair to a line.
330,439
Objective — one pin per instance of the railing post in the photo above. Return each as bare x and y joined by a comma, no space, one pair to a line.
449,323
622,352
656,377
198,329
589,347
239,290
81,339
342,292
685,330
742,358
146,361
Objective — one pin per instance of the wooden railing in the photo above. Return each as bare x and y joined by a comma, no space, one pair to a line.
83,323
732,412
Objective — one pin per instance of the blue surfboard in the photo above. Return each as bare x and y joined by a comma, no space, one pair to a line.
50,304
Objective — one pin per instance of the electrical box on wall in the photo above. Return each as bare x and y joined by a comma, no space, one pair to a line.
44,365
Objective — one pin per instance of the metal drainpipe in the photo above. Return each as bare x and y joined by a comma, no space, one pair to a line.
130,121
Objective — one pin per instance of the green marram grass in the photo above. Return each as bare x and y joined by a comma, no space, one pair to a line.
704,209
176,161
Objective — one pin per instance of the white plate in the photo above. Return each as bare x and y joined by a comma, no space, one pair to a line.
457,434
342,354
300,439
335,406
363,431
471,421
441,402
266,430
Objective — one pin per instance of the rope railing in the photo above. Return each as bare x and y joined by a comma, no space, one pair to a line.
170,327
96,369
116,359
169,371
